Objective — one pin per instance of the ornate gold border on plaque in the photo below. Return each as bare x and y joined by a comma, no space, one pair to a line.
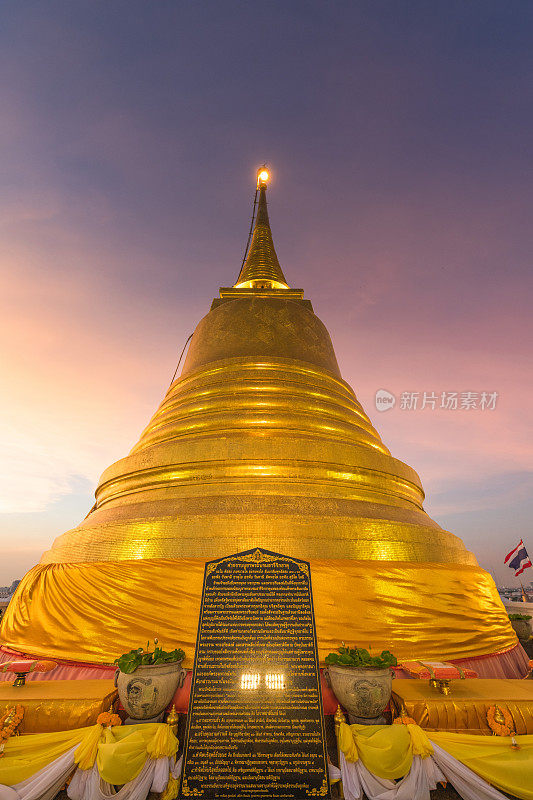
258,556
321,792
187,791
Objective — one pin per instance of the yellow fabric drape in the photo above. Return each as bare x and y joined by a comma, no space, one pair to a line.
347,742
385,750
171,792
162,743
432,611
85,755
120,752
59,705
121,761
492,758
26,755
123,754
465,709
420,742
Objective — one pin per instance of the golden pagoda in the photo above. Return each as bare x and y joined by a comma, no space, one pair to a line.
260,442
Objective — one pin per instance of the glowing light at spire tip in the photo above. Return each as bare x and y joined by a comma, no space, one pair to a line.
263,176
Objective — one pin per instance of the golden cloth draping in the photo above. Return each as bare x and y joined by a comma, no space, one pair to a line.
387,751
465,709
86,753
120,752
493,759
26,755
431,611
56,705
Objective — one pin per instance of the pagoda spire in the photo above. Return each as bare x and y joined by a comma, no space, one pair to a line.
261,270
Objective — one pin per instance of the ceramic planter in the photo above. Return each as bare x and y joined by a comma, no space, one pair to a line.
364,693
146,692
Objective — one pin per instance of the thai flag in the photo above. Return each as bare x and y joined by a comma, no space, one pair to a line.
518,559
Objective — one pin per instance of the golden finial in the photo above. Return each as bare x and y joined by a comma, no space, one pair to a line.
261,268
173,719
338,719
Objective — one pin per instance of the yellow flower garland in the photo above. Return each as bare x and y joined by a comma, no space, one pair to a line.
108,719
404,720
498,728
9,722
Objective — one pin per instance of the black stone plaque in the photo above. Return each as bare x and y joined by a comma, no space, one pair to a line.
255,725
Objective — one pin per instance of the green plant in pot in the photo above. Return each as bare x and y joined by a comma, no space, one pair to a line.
521,626
361,681
147,680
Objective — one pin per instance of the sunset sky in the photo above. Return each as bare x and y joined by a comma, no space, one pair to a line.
400,141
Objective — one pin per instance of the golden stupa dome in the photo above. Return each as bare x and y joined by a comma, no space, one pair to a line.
260,442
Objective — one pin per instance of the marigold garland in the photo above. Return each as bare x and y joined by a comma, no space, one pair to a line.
404,720
107,719
9,722
500,729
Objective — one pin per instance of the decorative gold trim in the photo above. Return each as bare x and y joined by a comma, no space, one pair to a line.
187,791
258,556
500,721
321,792
338,718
